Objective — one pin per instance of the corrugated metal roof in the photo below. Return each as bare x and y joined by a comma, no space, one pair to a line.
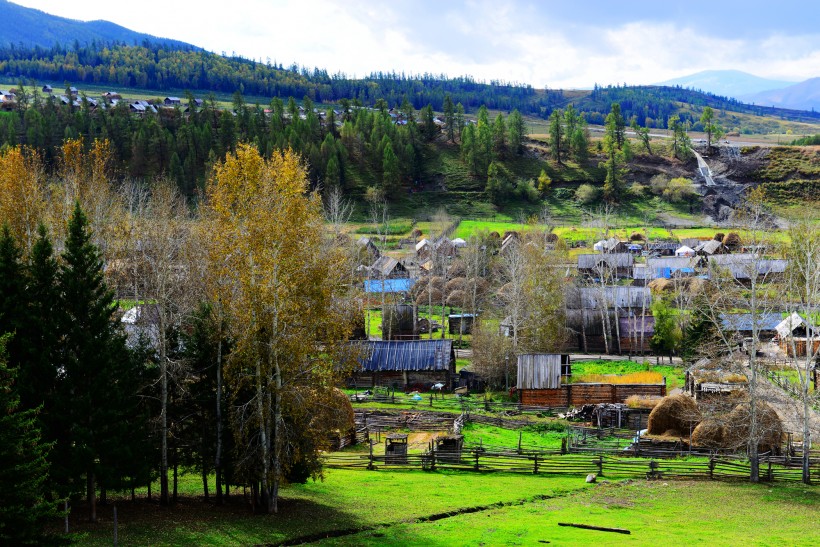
743,321
418,355
539,371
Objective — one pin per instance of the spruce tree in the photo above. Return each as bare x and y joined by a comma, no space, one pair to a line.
12,292
97,397
23,467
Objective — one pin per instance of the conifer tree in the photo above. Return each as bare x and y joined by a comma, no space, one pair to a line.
23,467
96,400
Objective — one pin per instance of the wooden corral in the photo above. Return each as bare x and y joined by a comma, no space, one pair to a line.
797,347
582,394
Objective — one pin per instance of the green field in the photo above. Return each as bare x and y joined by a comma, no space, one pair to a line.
656,513
675,375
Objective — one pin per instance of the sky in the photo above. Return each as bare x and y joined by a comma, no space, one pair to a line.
552,44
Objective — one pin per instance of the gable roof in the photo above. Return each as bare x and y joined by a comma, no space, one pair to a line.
407,355
385,265
745,321
786,327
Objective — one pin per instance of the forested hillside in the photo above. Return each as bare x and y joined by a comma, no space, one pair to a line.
158,67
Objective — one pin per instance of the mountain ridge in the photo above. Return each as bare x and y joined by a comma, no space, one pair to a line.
728,83
32,27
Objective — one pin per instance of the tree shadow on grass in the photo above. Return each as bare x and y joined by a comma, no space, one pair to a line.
192,521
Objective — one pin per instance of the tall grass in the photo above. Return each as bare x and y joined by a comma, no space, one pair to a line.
642,377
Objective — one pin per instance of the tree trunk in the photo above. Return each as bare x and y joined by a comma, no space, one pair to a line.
263,429
273,504
163,371
218,455
91,494
176,476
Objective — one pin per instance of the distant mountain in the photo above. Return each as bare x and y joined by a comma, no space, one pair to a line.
803,96
728,83
33,27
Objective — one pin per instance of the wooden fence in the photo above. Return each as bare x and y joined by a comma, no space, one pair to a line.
486,460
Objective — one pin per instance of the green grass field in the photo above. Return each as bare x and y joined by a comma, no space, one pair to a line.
675,375
656,513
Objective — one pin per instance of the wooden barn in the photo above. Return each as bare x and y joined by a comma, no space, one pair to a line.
636,333
406,364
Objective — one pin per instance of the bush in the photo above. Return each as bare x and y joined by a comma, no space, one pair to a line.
586,194
679,189
658,184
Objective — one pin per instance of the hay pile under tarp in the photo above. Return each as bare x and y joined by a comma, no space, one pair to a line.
674,415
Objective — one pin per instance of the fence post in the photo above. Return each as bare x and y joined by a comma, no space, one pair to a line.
771,477
564,446
600,465
535,467
519,441
475,452
711,468
433,458
370,464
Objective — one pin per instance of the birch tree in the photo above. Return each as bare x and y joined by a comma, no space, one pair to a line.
288,308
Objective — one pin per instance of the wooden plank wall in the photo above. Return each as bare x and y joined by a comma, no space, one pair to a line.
588,394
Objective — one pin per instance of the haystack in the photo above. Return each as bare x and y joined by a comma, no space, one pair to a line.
708,434
416,233
637,236
457,299
732,240
737,427
719,236
424,297
674,414
551,238
456,284
660,285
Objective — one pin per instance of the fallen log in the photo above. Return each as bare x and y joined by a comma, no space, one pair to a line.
599,528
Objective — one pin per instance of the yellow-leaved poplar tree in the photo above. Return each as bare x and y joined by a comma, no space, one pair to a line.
284,288
22,196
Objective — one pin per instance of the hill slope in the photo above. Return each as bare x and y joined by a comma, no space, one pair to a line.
729,83
804,96
33,27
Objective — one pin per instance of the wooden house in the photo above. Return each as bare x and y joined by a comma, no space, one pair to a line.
742,324
662,248
606,265
406,364
387,267
172,101
710,248
636,333
796,336
47,89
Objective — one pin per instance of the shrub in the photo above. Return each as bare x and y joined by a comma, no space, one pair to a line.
586,194
679,189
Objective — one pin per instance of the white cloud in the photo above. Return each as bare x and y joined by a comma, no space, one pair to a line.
482,38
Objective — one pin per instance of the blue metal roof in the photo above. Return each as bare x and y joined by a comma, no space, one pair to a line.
388,285
379,355
743,321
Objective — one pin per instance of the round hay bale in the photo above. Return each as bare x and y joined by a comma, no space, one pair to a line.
719,236
341,413
511,233
738,427
660,285
457,299
494,235
551,238
456,284
674,412
708,434
637,236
